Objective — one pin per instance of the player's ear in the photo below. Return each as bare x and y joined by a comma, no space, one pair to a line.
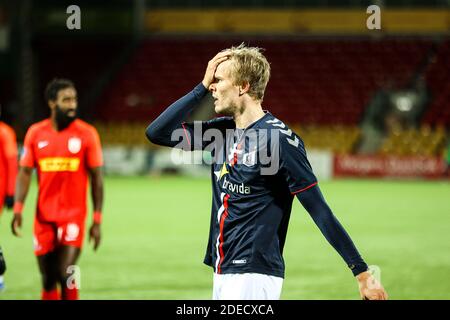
244,88
51,104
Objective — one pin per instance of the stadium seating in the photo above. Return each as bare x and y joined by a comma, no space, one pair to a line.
425,141
313,81
122,133
320,87
340,139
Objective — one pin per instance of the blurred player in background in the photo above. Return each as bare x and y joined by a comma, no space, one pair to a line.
65,151
8,172
250,212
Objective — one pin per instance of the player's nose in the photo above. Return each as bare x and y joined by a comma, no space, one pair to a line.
73,105
212,87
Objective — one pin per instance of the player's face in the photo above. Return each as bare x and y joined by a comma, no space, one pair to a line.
65,107
225,93
67,102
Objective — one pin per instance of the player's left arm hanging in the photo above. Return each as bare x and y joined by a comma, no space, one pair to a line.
95,169
22,187
27,164
303,183
96,179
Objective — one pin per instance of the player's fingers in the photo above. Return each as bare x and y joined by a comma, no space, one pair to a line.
371,296
220,60
216,62
16,230
213,66
361,295
96,243
13,227
221,54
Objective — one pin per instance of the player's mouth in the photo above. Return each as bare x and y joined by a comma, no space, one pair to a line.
71,113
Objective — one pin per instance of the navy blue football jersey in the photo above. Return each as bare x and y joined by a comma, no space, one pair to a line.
255,174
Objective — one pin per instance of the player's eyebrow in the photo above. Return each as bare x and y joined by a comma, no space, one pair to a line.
69,97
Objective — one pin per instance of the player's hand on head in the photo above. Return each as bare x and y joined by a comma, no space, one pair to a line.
95,235
16,224
212,66
370,288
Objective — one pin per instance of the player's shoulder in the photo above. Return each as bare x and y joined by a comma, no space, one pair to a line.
281,130
269,121
39,126
84,126
6,129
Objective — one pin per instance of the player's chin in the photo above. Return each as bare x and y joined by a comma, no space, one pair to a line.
217,109
222,111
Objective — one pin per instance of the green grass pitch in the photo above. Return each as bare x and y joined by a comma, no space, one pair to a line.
155,232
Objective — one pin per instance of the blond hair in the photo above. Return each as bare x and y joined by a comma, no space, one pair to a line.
251,66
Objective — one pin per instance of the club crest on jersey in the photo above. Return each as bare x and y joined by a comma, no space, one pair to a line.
74,145
249,159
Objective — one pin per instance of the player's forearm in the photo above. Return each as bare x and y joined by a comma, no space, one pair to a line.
12,175
330,227
97,189
160,130
22,184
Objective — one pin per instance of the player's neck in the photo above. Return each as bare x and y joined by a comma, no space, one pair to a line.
61,126
54,123
250,114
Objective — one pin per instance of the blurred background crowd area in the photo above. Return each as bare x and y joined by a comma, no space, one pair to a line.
340,86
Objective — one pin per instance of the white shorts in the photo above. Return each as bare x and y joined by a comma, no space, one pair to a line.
246,286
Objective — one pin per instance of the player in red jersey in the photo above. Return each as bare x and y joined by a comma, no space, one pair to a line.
8,165
65,151
8,172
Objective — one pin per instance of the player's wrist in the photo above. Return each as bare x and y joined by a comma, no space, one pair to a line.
205,84
97,217
363,276
18,207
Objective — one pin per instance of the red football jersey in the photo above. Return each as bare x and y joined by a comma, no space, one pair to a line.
62,159
8,161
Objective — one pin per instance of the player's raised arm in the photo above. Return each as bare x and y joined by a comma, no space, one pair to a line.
174,117
22,187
